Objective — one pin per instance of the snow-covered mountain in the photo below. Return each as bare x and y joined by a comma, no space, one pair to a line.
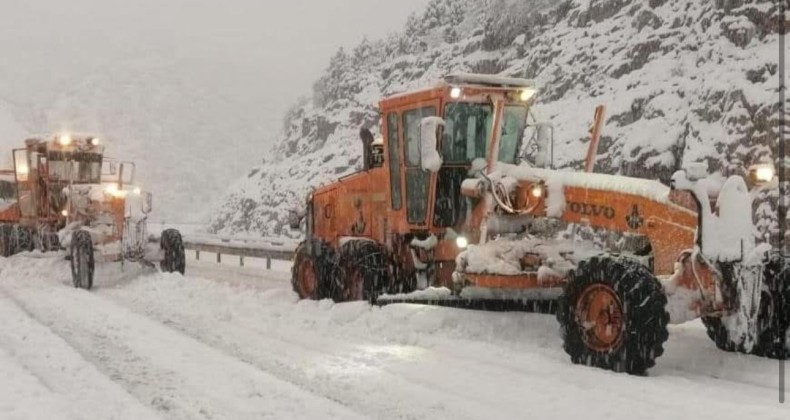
684,81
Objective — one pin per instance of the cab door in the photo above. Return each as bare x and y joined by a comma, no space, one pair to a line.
416,181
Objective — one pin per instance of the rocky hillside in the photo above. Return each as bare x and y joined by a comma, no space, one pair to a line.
684,81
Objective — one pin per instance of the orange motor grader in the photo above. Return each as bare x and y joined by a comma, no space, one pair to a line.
446,209
68,195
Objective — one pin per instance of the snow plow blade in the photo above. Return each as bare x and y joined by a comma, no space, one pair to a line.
477,299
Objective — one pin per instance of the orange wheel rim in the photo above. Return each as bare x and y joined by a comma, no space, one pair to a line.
600,315
306,281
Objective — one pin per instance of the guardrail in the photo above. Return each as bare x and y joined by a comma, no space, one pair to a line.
249,247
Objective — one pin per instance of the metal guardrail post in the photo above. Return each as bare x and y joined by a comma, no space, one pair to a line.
268,263
219,258
241,260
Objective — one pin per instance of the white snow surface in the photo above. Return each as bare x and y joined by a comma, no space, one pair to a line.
234,343
559,179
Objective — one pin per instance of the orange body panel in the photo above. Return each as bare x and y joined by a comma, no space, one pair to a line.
669,227
355,206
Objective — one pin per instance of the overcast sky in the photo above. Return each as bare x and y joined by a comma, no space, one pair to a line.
203,81
277,46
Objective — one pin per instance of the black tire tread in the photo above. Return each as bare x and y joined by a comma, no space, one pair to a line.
369,257
644,307
82,247
173,246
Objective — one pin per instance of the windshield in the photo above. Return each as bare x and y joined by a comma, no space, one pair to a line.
513,122
467,132
83,168
467,135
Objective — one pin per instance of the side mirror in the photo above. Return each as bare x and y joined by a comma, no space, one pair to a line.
545,141
430,160
147,202
294,219
126,176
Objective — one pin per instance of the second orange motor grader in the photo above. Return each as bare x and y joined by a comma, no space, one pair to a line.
445,202
68,195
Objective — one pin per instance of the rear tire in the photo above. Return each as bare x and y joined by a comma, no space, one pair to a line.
7,247
717,332
23,237
172,245
363,272
49,241
312,270
612,315
82,263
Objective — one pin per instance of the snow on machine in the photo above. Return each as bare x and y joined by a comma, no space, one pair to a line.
68,195
450,212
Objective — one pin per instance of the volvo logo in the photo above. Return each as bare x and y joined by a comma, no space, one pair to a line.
586,209
635,220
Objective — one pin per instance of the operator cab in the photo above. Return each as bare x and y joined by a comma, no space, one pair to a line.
46,166
484,117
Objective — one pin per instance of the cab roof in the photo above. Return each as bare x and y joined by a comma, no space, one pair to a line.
482,81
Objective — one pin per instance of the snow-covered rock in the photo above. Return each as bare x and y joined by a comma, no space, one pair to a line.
683,81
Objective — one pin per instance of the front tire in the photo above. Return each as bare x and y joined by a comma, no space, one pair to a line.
82,262
612,315
173,247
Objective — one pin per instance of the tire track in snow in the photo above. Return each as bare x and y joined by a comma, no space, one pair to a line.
500,383
180,377
62,370
346,374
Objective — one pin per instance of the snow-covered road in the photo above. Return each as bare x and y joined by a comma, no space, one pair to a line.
233,343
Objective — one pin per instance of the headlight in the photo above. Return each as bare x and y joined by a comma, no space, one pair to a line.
526,94
64,212
95,141
64,139
113,190
455,92
536,190
137,191
762,172
461,242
